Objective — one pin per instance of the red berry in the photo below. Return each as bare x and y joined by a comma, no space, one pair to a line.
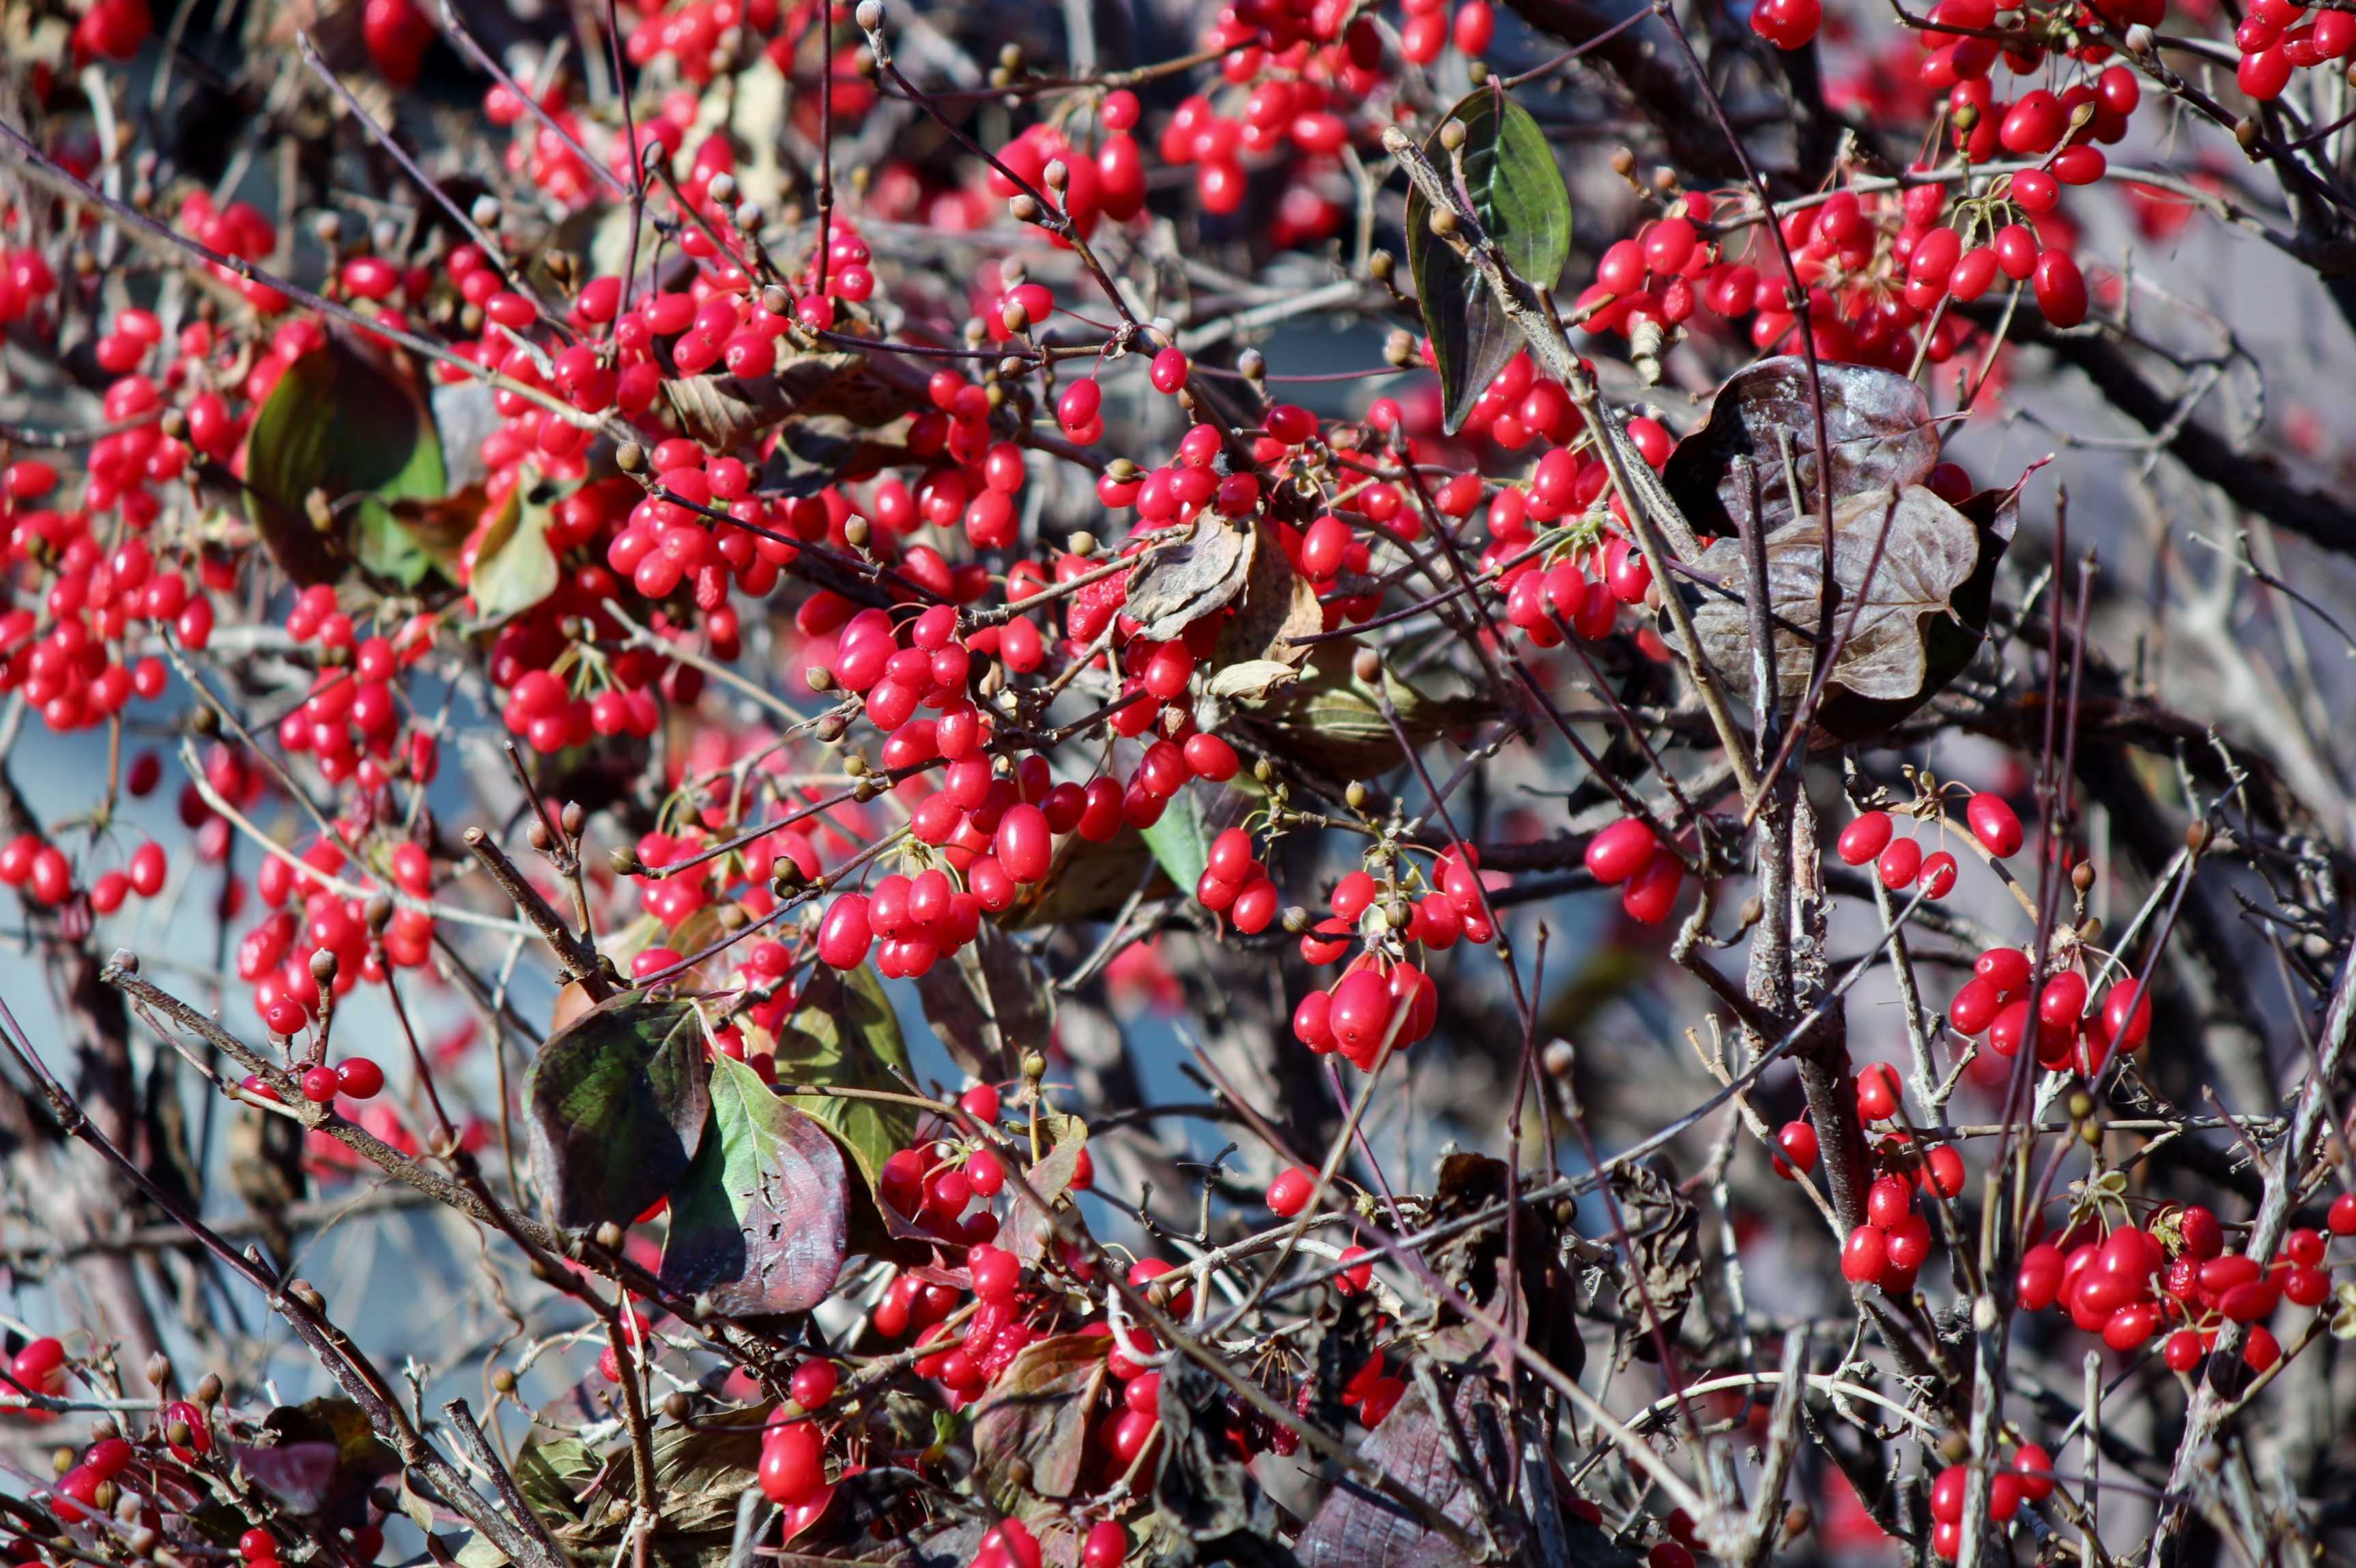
793,1464
1289,1193
320,1084
1937,875
1864,1254
1024,845
1619,851
359,1078
1877,1092
1865,839
1995,823
1168,370
2061,288
813,1385
1106,1545
1652,893
1361,1014
997,1274
1797,1140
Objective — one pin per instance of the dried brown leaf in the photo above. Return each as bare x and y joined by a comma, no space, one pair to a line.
721,411
1181,582
1931,550
1877,422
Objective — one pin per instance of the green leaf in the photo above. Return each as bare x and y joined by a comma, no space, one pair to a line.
1180,841
615,1103
515,569
550,1476
345,421
843,1034
1331,721
757,1222
1513,187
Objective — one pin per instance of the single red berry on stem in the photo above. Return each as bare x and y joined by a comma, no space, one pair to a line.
1289,1193
1995,823
1797,1142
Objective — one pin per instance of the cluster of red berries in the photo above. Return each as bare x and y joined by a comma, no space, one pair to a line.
326,942
933,1184
2129,1284
242,232
2276,39
1893,1242
1629,856
77,673
1235,884
2029,1479
792,1470
1109,184
1899,862
2066,1035
1377,1005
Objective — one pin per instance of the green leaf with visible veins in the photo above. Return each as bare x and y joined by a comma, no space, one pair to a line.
1512,184
843,1034
757,1222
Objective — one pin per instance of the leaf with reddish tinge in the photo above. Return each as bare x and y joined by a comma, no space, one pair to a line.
1039,1411
615,1103
757,1222
1028,1227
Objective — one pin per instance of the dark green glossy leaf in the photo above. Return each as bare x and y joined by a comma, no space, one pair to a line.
757,1222
348,421
1513,187
617,1102
843,1034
